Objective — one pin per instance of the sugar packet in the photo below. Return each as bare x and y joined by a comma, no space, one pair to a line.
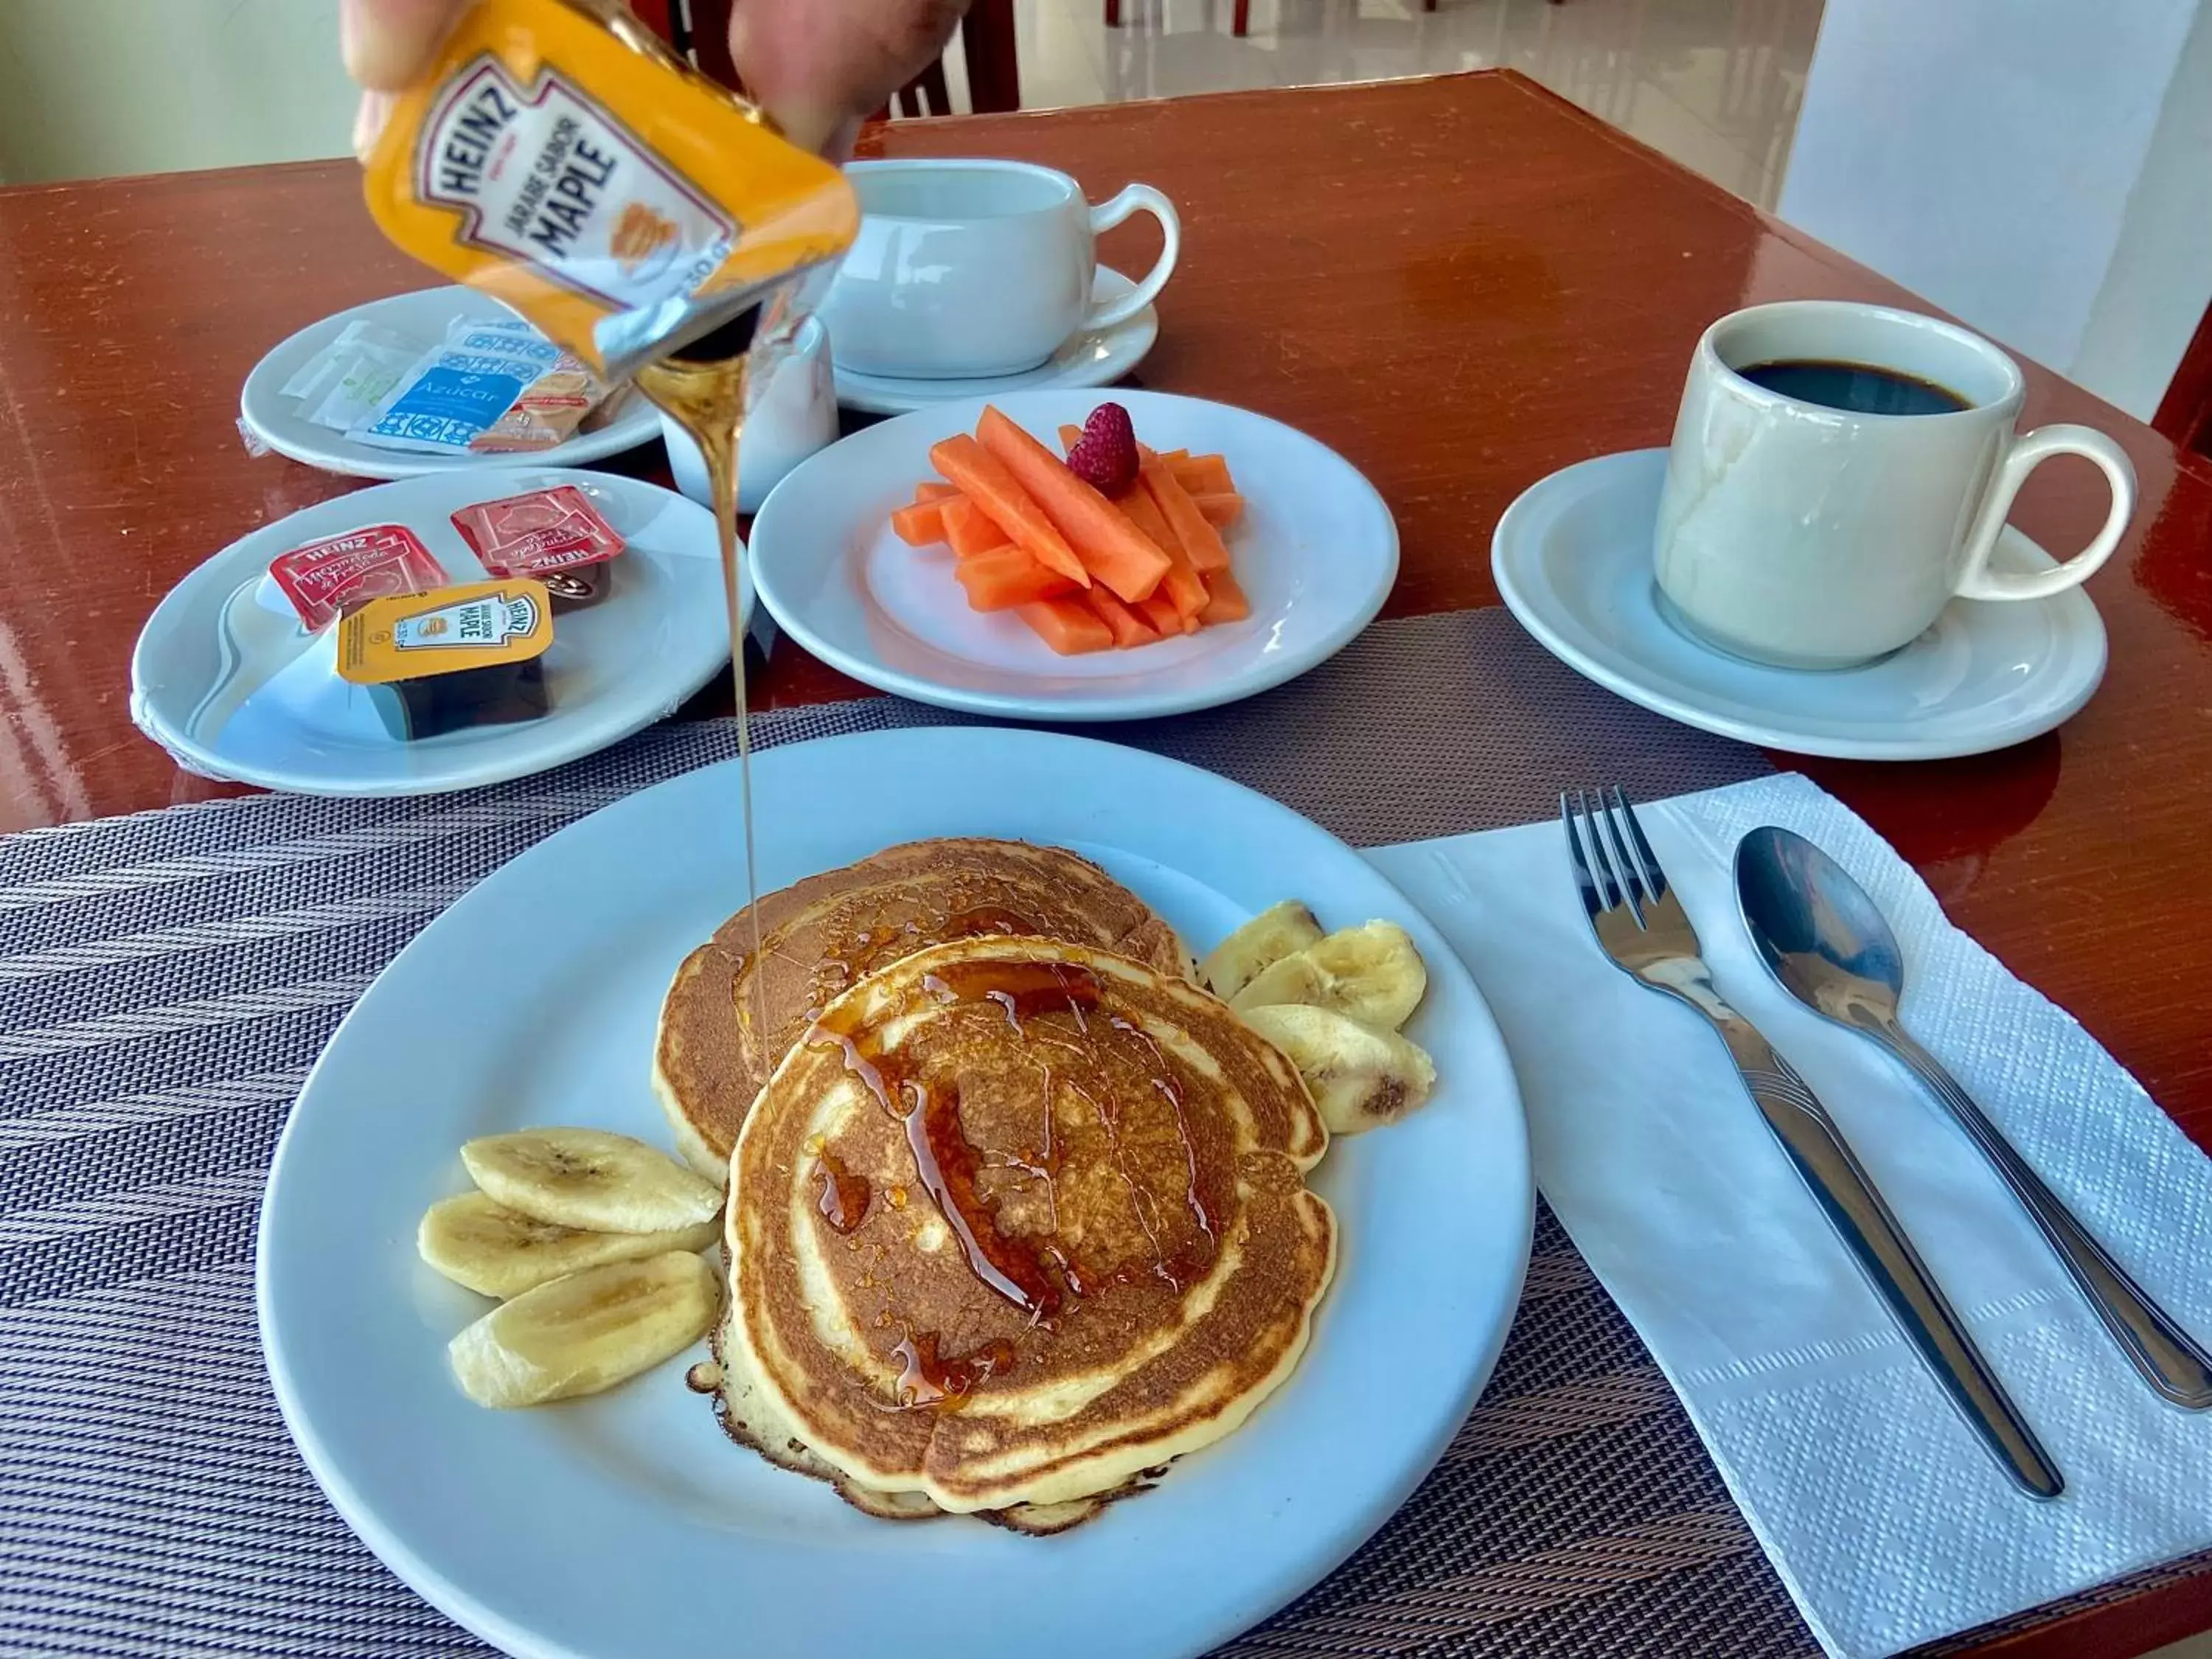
459,389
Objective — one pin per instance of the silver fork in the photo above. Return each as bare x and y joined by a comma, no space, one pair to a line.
1642,926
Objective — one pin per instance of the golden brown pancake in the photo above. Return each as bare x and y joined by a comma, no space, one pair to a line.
1015,1221
728,1019
752,1418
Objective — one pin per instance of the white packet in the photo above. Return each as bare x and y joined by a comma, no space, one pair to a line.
346,378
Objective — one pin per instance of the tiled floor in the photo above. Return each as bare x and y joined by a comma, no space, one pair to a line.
1713,83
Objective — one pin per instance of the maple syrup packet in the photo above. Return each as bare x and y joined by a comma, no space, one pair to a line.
557,155
324,579
436,663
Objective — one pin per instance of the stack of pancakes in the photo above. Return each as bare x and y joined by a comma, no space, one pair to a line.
1018,1212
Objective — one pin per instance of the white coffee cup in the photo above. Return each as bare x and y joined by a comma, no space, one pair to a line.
965,268
1810,537
789,416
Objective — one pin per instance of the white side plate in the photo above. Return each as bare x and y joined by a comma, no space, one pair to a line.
1573,561
278,422
626,1526
225,678
1315,552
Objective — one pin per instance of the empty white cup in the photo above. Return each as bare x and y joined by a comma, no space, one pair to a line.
793,415
966,268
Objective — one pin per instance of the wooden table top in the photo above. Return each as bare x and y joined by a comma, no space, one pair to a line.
1460,284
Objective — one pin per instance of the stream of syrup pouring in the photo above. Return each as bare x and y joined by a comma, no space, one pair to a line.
702,389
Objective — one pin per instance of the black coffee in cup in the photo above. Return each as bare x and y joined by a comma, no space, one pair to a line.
1857,388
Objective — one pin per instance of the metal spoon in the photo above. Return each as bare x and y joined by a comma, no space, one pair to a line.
1822,937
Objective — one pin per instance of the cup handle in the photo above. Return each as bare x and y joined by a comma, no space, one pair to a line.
1105,217
1978,581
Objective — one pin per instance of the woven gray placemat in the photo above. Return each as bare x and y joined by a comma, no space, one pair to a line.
165,980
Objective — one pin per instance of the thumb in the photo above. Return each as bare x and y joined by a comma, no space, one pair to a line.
387,43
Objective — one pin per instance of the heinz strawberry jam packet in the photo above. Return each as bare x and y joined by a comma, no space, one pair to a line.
559,157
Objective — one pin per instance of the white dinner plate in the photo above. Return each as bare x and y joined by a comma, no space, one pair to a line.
278,420
626,1526
1573,561
1093,356
1316,551
227,681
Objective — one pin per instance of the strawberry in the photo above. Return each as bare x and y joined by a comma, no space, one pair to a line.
1105,456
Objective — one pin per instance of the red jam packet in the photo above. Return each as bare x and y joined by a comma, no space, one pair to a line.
324,578
538,533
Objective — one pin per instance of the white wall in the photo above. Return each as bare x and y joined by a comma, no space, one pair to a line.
2038,168
2160,279
90,88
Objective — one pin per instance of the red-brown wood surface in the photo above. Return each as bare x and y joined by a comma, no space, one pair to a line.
1460,284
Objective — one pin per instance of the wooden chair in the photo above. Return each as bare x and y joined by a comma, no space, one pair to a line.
986,43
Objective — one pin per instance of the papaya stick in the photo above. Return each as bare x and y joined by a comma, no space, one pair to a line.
1128,626
1111,550
1201,542
1204,475
968,530
1225,601
1067,625
1183,585
1005,576
982,477
922,525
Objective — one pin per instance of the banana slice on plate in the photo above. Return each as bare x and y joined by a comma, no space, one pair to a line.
590,1179
1261,942
1371,974
1358,1076
586,1332
496,1251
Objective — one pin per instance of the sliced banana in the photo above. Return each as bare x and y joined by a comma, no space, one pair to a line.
586,1332
496,1251
1371,974
1360,1076
1262,942
590,1179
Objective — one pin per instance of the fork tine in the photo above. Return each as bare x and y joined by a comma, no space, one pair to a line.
1612,884
1593,902
1653,873
1614,853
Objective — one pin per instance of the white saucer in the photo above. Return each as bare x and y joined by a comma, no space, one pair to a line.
1573,561
1093,357
276,420
1315,552
227,680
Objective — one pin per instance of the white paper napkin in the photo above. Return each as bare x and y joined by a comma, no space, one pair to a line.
1877,1505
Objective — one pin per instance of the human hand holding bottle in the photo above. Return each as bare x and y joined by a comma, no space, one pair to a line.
817,65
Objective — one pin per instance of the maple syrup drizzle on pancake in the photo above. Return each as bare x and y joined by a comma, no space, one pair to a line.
929,1379
1035,1278
843,1199
987,918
